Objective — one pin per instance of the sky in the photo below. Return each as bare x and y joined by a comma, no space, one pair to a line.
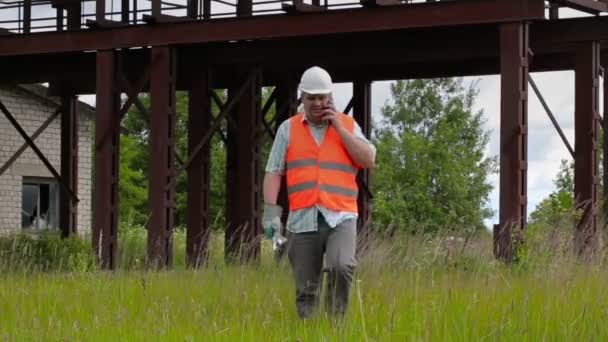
545,148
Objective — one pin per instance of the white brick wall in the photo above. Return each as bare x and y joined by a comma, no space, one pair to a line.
31,112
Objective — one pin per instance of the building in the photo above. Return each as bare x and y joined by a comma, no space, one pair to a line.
29,194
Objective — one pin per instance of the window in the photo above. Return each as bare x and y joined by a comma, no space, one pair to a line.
39,203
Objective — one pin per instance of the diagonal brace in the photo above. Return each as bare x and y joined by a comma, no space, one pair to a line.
231,103
220,105
132,98
36,150
267,105
349,106
555,124
23,147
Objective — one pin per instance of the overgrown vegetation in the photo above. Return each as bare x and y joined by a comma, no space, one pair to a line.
408,287
425,273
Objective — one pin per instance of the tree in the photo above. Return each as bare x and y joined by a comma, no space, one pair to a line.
431,171
134,163
560,202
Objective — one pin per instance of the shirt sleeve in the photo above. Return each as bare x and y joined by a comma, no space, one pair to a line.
278,152
358,133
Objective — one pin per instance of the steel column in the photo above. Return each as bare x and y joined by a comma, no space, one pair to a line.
162,157
553,11
192,11
73,15
27,16
100,10
206,9
105,199
156,8
59,19
199,172
586,161
513,139
285,107
124,11
244,8
243,176
362,109
68,208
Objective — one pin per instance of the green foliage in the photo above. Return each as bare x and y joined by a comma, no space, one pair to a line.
45,252
132,247
403,290
135,156
560,202
431,172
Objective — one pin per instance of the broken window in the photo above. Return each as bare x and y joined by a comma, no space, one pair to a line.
39,204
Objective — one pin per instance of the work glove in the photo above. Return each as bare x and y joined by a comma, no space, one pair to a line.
271,221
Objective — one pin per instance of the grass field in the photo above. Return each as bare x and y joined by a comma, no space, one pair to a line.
405,289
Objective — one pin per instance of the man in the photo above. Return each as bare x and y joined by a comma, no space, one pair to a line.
320,151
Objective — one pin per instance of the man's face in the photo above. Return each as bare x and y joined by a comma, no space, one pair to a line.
314,104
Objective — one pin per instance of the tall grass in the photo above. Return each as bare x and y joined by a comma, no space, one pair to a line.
406,288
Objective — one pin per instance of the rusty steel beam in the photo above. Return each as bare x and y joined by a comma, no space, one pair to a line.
243,175
220,106
588,6
551,116
218,120
513,140
350,104
105,199
68,208
286,105
454,52
573,30
36,150
199,173
162,158
586,161
132,92
280,26
25,145
362,113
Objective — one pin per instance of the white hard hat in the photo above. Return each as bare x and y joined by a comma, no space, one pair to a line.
315,80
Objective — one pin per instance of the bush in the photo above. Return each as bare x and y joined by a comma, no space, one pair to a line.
45,252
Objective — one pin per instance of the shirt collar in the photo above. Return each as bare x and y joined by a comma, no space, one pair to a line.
306,121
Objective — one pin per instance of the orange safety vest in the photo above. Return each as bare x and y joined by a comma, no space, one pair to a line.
323,174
